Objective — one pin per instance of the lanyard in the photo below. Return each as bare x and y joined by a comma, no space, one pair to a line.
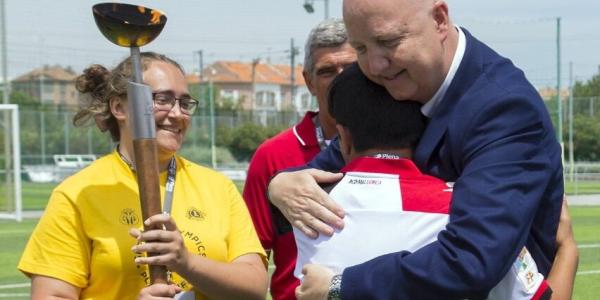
319,133
169,186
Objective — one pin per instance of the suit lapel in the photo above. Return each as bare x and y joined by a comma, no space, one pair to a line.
431,138
468,71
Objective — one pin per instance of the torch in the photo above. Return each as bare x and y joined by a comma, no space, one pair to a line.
134,26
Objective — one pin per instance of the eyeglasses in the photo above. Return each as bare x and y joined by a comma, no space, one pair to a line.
165,101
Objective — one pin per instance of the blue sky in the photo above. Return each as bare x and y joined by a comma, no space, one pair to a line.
63,32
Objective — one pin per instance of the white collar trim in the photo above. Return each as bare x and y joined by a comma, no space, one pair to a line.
428,108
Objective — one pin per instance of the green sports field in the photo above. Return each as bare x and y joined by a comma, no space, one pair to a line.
13,236
35,195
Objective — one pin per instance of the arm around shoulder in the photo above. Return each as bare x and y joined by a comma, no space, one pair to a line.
306,206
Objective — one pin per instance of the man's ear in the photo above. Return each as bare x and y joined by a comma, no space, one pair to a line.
345,139
309,84
117,108
441,18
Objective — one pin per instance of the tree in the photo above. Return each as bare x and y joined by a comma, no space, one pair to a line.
586,125
247,137
585,138
24,100
591,88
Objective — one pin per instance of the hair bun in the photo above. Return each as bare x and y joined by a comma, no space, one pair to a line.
92,79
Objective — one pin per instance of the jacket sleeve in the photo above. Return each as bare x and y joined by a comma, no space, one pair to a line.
505,173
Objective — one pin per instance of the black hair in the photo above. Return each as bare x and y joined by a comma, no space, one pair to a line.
373,117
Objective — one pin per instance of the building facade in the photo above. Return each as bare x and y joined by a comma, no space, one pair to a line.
49,84
257,87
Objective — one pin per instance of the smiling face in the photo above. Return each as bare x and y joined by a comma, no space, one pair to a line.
400,44
171,126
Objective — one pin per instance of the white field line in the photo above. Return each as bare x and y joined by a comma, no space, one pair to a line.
588,246
14,286
13,295
14,231
589,272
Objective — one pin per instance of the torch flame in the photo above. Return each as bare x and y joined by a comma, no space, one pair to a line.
155,19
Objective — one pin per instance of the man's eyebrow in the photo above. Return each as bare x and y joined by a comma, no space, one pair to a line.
390,35
325,66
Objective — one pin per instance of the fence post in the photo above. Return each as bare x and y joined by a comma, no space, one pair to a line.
43,135
66,130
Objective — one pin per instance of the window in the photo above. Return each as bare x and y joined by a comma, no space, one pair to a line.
231,94
48,87
265,98
305,101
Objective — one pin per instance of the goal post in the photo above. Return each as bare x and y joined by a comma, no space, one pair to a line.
10,195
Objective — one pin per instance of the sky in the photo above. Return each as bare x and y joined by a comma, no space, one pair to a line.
63,32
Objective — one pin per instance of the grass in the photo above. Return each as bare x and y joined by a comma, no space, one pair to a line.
586,223
34,195
582,188
14,237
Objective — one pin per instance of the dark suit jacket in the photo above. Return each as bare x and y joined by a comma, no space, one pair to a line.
492,135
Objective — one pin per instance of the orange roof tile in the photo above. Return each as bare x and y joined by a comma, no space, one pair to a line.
241,72
57,73
549,92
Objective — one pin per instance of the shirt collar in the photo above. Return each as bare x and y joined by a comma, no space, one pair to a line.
305,130
428,108
383,165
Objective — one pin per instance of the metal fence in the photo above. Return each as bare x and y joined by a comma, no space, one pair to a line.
45,133
48,132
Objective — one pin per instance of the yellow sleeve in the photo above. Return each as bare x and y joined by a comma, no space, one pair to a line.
58,247
242,238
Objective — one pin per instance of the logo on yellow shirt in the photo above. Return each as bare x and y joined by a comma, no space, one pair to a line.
129,217
195,214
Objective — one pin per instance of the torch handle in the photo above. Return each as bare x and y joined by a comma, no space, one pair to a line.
146,162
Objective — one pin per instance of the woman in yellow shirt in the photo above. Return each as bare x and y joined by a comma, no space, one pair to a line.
89,244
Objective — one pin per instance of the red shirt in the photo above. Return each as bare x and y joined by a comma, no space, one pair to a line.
291,148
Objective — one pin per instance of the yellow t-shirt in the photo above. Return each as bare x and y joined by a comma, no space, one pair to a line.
83,239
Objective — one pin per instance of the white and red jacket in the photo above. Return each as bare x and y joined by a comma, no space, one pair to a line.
391,206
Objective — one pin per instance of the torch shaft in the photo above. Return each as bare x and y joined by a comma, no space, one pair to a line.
136,64
146,162
144,151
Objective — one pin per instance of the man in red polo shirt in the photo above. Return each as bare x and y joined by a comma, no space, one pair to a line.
327,53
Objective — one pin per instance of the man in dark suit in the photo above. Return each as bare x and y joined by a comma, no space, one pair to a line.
489,132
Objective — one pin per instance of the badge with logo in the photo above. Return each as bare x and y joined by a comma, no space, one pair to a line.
526,270
129,217
195,214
